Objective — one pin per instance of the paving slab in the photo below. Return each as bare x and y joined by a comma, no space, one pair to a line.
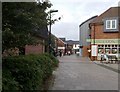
79,73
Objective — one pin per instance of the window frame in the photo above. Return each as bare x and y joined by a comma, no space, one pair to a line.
111,24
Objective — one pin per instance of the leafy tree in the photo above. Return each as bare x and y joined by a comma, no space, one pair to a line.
20,21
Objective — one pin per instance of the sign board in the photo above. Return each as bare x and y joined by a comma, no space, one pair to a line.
61,47
94,50
104,41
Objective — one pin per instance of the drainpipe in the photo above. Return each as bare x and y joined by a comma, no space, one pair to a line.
94,34
94,38
80,43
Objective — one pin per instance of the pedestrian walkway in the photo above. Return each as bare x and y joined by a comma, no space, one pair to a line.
78,73
73,58
114,67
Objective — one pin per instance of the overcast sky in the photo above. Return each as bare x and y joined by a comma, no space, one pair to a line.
74,12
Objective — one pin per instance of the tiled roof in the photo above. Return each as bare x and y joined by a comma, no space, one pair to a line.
42,32
111,12
71,42
63,39
88,20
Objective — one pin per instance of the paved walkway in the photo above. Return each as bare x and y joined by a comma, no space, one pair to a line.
78,73
114,67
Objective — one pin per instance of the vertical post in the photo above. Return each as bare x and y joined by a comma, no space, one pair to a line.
80,47
94,34
94,39
80,44
51,11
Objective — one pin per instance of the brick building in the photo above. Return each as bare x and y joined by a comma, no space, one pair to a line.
41,36
105,31
60,45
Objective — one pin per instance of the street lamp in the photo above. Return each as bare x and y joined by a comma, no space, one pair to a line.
51,11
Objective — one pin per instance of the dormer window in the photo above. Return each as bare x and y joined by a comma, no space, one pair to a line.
111,24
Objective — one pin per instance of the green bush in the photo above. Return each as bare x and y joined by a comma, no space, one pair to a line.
54,59
27,72
8,81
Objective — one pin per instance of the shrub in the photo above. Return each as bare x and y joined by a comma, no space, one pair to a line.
8,81
27,72
54,59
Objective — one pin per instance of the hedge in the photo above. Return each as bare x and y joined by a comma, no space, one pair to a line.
27,72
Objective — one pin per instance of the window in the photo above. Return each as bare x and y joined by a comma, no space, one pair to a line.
100,50
111,24
114,50
107,50
119,51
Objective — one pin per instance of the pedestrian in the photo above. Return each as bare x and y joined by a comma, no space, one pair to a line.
102,57
68,52
60,53
54,53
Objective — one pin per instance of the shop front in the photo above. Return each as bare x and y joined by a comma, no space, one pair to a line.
107,46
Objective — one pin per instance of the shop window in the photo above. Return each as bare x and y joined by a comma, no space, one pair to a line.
100,50
107,50
114,50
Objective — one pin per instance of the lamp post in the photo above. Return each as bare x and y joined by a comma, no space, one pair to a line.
51,11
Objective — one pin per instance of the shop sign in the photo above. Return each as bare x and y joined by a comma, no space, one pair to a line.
104,41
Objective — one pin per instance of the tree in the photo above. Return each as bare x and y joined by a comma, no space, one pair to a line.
20,21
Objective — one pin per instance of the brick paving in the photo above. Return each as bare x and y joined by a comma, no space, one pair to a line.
78,73
114,67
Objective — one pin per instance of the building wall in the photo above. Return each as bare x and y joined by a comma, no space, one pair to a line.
99,34
34,49
60,43
84,35
75,48
85,51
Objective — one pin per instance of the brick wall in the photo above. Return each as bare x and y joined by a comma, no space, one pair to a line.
34,49
85,51
60,43
99,34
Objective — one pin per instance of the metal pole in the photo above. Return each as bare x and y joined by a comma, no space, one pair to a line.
94,38
94,34
80,47
80,43
51,11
